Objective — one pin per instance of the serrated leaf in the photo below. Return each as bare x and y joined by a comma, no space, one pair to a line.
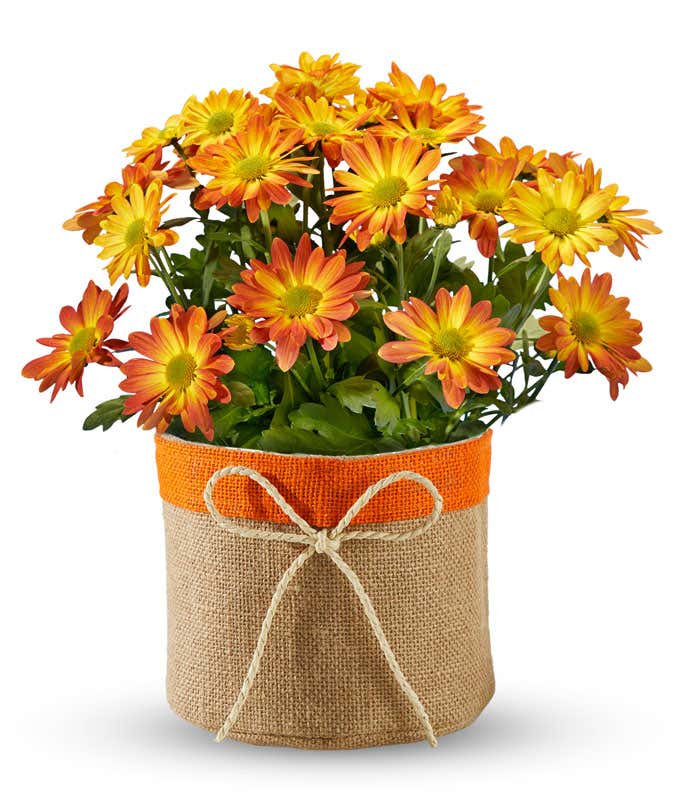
107,414
358,393
226,417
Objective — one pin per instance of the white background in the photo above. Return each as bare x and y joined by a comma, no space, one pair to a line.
584,527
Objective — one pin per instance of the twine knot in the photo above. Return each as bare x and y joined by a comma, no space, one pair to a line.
320,541
323,544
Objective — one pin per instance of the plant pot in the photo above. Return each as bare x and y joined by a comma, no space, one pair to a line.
325,679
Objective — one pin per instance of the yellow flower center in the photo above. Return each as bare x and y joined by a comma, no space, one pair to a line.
323,128
389,190
179,371
220,122
560,221
489,200
301,300
83,340
426,134
252,168
135,233
451,343
585,328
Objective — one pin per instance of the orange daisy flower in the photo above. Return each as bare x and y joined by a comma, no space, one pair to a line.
403,89
593,326
462,342
88,219
629,227
528,159
320,121
88,326
236,335
294,299
390,179
132,229
252,167
219,116
423,124
179,374
153,137
483,185
315,78
560,217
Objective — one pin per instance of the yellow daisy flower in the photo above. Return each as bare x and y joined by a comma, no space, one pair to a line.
219,116
153,137
132,229
560,217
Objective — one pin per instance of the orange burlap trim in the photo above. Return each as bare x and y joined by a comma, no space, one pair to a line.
321,488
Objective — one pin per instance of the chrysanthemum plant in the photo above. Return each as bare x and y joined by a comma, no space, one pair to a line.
322,307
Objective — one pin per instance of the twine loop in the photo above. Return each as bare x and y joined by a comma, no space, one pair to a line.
328,542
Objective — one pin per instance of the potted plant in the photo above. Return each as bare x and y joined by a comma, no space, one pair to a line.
323,378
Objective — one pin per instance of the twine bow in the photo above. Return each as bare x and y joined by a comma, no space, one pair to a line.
328,542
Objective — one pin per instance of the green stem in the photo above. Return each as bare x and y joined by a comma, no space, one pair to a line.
538,386
407,404
311,352
301,382
165,276
433,279
401,286
528,310
322,195
267,229
422,225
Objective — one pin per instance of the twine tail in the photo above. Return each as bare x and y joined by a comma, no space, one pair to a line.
261,644
388,653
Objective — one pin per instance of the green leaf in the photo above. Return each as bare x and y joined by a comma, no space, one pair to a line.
107,414
345,432
252,365
170,224
208,279
226,417
241,393
358,393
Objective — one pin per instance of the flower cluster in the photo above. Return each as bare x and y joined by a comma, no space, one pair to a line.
320,309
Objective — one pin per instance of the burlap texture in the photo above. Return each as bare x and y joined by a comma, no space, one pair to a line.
324,683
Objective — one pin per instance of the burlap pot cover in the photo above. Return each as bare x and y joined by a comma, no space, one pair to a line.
324,681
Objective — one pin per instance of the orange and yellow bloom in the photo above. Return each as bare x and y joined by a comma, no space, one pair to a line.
424,124
593,326
560,217
389,179
251,168
447,209
462,342
237,333
315,78
482,185
179,374
629,227
527,158
403,89
132,229
320,121
153,137
295,299
215,119
87,340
